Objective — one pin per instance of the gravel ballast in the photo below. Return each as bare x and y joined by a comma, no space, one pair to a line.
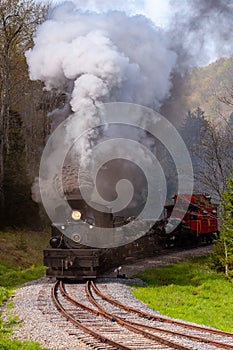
39,319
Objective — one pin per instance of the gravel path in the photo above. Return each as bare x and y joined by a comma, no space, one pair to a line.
38,317
163,260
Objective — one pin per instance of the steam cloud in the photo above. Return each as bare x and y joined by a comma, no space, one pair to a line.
109,56
201,30
97,58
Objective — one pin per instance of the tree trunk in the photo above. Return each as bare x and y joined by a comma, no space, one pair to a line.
4,126
2,169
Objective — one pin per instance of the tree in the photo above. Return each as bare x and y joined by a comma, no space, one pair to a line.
215,158
19,208
194,125
192,129
222,255
18,21
210,145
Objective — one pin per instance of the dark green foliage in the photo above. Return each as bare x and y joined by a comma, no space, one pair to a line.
21,126
222,256
194,126
193,131
217,258
20,210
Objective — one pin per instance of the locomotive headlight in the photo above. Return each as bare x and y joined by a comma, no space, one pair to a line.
76,215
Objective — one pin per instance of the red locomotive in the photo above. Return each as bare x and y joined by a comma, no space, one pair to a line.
200,222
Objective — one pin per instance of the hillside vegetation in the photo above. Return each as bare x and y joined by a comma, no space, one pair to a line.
206,85
21,248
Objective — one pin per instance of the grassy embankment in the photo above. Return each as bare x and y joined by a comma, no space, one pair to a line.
189,291
20,261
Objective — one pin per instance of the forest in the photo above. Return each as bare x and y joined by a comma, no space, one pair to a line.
24,115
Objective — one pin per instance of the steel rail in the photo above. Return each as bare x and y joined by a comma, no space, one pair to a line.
121,322
131,326
193,337
159,318
78,324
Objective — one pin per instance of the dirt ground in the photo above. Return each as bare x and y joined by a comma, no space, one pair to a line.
165,259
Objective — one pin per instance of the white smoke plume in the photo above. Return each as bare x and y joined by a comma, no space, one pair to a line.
109,57
201,30
101,6
100,57
105,55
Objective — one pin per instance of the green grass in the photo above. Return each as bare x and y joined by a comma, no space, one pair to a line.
11,277
20,262
190,291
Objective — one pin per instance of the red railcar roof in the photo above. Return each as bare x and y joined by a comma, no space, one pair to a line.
199,199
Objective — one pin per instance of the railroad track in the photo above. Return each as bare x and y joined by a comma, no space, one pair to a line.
108,324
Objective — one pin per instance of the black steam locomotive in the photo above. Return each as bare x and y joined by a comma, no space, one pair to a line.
69,258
